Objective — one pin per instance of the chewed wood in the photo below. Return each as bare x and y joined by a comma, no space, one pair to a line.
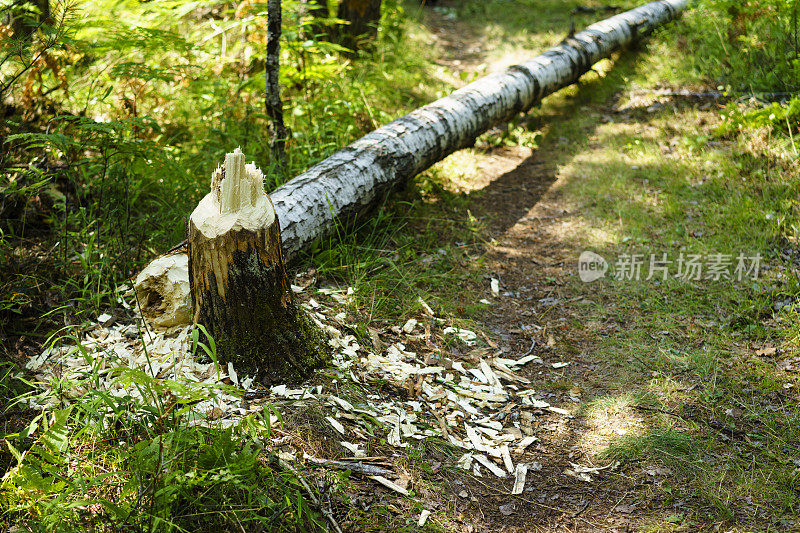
239,285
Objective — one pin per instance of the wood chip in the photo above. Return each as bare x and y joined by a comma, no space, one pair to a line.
354,449
533,402
233,375
388,484
489,373
344,404
479,375
506,455
493,468
430,370
474,438
336,425
465,461
519,478
425,306
528,359
524,443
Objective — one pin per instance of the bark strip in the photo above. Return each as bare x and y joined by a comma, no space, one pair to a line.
272,86
352,179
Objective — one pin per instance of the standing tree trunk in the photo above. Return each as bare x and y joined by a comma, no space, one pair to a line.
273,88
363,17
240,290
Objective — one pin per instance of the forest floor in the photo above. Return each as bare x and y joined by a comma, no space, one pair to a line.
677,395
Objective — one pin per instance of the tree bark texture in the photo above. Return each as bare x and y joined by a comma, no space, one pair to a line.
363,17
239,285
354,178
273,88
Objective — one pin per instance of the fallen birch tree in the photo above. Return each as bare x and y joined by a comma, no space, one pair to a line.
353,179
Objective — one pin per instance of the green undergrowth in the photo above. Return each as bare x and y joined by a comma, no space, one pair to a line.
712,360
143,460
706,368
109,143
408,251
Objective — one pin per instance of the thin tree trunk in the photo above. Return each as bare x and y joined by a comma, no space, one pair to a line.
354,178
274,104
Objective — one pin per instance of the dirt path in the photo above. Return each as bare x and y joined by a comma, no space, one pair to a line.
534,267
518,191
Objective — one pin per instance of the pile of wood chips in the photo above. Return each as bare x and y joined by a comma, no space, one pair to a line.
471,397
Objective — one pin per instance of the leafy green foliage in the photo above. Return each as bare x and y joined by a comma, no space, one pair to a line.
142,461
783,118
110,142
747,46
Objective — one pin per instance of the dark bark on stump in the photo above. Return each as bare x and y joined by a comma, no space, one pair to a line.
241,294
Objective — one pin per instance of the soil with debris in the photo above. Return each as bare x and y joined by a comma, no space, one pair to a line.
567,492
532,313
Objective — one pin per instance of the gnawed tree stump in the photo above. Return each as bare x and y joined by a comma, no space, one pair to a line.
240,289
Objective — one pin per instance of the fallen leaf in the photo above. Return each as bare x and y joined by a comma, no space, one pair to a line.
507,509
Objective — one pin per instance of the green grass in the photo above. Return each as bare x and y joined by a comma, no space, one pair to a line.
692,345
125,462
680,180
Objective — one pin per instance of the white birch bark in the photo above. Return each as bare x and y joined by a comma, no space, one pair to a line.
353,178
